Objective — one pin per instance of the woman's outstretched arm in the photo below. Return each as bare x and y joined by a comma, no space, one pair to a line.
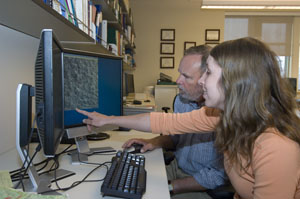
140,122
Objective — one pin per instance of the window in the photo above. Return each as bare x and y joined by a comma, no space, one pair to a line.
276,32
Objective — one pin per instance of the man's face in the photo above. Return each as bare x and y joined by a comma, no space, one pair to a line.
190,73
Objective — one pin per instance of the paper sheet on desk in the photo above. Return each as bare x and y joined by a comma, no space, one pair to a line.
9,193
5,180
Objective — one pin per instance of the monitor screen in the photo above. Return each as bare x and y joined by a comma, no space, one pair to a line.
49,92
92,83
293,84
129,83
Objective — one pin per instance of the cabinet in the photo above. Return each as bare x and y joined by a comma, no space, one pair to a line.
164,96
31,16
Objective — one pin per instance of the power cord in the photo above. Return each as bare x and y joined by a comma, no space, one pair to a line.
76,183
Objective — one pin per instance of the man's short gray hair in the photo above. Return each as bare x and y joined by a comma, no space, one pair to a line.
199,50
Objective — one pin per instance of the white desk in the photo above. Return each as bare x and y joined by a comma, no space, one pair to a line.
156,187
148,105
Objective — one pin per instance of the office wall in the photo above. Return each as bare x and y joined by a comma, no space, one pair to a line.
17,55
295,48
185,17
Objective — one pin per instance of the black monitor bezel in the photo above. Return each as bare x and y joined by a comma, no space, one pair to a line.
50,113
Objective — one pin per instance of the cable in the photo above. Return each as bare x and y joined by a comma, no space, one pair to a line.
38,148
27,150
16,176
76,183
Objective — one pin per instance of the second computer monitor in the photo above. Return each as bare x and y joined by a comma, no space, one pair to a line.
92,83
129,83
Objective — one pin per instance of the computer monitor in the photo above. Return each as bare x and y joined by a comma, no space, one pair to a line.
49,102
129,83
49,108
293,84
92,82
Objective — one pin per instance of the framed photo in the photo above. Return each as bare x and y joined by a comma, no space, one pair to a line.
212,35
166,62
188,44
167,48
167,34
211,44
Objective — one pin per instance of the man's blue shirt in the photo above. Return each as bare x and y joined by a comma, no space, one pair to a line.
196,154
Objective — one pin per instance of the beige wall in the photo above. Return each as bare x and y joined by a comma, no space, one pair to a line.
17,55
150,16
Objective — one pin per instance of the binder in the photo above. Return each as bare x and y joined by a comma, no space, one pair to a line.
63,8
79,13
104,33
74,13
68,11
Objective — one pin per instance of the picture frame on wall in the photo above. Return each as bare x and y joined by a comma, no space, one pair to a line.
211,44
166,62
212,35
188,44
167,34
167,48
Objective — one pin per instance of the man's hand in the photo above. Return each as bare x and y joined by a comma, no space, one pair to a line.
148,144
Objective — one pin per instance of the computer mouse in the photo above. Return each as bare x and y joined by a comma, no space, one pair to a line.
135,148
136,102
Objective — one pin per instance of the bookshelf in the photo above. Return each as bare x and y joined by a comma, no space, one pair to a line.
31,16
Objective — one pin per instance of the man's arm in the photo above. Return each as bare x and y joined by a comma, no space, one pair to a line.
187,184
151,144
164,141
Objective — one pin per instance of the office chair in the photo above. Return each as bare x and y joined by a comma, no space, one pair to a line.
168,154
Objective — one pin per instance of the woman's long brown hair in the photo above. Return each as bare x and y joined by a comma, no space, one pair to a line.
256,98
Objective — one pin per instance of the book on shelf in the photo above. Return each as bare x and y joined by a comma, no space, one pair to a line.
113,48
126,3
62,7
104,33
81,7
74,12
115,37
69,10
98,23
79,13
56,6
48,2
93,22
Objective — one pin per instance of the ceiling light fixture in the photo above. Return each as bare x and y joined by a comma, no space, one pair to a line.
254,4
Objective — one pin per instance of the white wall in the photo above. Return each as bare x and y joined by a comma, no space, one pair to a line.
17,55
189,23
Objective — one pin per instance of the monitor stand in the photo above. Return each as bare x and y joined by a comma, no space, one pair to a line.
83,150
36,183
98,136
40,183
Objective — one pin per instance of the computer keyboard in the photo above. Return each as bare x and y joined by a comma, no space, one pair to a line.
126,177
